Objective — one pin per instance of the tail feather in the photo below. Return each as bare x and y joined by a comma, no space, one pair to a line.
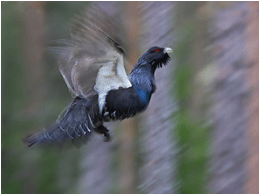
75,125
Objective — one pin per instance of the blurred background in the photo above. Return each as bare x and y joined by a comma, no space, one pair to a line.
200,132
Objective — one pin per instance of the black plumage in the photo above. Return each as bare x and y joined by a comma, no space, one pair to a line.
92,67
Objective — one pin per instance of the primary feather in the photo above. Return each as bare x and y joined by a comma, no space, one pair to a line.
90,52
92,66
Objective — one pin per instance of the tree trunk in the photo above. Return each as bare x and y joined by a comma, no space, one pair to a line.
158,165
228,174
127,171
252,32
33,17
34,30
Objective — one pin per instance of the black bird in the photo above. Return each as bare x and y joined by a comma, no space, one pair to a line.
92,66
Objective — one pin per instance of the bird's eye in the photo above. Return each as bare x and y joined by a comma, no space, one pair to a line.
156,50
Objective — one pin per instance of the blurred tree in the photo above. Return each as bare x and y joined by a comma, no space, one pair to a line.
128,170
228,173
252,54
34,23
158,147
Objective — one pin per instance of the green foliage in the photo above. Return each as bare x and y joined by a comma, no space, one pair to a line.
191,129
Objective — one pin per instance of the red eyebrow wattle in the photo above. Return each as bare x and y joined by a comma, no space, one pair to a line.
156,50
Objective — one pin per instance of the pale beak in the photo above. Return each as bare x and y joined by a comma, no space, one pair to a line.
167,50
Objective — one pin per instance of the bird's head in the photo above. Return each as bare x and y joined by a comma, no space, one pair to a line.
157,56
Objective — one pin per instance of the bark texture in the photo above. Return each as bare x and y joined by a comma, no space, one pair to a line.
158,168
228,174
252,53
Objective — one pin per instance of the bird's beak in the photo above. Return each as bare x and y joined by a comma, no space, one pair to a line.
167,50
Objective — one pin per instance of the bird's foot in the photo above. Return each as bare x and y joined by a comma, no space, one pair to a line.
103,130
107,137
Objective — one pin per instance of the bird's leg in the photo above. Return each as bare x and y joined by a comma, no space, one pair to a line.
103,130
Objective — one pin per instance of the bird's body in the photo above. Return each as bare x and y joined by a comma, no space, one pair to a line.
103,91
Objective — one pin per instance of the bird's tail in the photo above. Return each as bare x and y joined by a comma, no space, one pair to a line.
76,125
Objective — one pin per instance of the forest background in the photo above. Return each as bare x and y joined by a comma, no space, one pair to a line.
200,133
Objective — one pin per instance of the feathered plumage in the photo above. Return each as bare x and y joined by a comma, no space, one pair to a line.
92,66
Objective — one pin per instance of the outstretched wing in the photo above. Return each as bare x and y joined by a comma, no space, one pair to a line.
92,61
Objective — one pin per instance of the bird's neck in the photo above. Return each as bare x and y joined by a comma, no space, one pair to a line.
143,79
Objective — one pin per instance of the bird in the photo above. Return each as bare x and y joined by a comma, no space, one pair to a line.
92,65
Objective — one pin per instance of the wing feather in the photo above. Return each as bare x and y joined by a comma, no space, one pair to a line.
92,61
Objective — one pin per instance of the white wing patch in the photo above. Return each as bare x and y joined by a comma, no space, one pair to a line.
91,62
111,75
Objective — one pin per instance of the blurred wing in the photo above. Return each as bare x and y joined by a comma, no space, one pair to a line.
92,53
